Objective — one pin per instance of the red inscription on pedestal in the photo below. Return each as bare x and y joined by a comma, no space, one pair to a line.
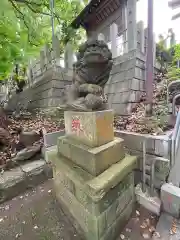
76,125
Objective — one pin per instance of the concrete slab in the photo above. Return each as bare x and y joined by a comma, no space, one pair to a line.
170,197
164,228
50,139
153,204
45,152
28,175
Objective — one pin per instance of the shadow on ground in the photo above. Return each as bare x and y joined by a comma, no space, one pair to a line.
36,215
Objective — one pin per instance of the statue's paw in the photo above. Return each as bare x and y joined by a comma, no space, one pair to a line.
94,102
90,88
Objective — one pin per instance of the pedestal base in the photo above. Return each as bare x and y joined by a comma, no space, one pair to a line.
93,160
99,205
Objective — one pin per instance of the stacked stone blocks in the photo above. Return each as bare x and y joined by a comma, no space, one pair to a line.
93,178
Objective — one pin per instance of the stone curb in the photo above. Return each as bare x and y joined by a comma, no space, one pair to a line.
17,180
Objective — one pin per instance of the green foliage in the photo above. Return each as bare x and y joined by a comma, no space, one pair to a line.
25,26
173,71
176,56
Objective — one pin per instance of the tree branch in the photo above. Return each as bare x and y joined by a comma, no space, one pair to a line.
22,17
30,4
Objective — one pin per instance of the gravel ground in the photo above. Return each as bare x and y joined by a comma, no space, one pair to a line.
36,215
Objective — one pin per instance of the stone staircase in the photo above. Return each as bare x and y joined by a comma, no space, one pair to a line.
93,177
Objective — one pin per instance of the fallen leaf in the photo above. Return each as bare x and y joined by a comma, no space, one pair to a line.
152,229
143,225
7,207
146,236
122,236
157,234
137,213
18,235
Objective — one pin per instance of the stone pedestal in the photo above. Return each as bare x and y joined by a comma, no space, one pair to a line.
93,178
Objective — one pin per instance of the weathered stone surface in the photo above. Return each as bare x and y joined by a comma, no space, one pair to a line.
15,181
11,178
163,228
85,198
93,160
93,226
90,74
36,172
27,153
170,197
11,183
101,184
75,180
92,128
50,139
45,151
157,145
114,230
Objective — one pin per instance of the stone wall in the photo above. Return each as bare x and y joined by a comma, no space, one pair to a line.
127,82
46,91
124,87
157,149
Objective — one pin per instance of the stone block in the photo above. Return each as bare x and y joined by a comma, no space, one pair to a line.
96,208
115,229
93,226
12,183
163,228
50,139
91,128
93,160
76,181
101,184
135,141
170,197
36,172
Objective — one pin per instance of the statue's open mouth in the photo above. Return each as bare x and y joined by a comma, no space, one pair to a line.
95,57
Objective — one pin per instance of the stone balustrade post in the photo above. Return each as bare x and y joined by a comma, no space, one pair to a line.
113,37
101,37
42,60
141,37
124,19
68,56
131,25
56,47
47,54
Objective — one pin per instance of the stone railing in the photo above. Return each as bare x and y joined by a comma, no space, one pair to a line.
51,57
119,43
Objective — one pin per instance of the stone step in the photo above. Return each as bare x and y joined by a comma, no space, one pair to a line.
93,160
28,175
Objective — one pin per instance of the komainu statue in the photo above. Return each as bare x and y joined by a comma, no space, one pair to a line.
91,72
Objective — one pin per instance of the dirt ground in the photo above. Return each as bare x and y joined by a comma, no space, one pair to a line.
36,215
